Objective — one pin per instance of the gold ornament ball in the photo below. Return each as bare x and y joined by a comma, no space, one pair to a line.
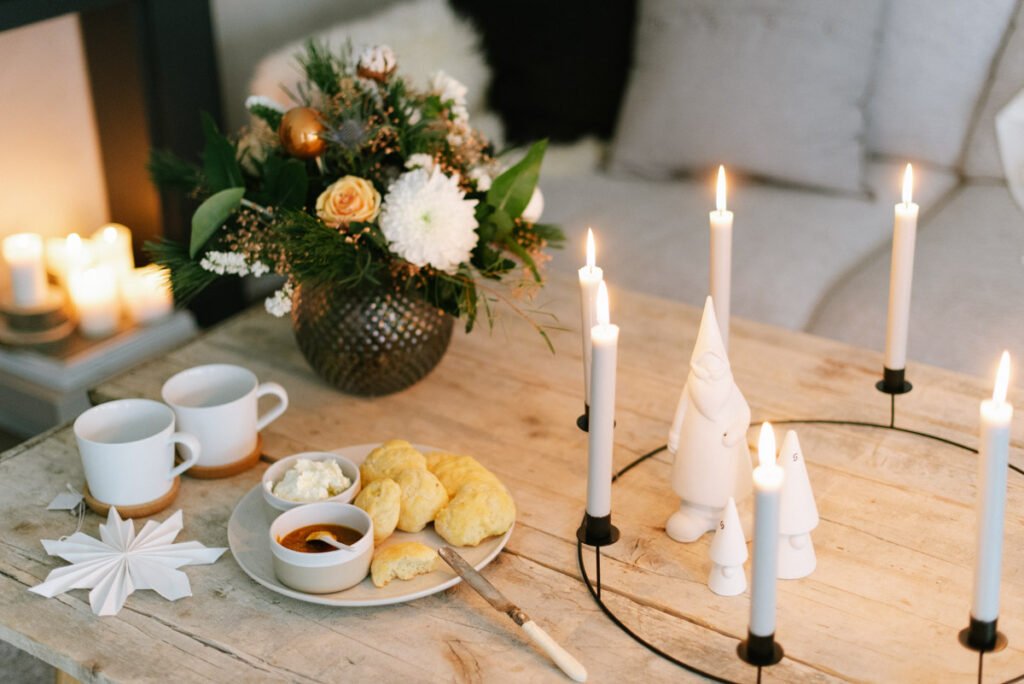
300,133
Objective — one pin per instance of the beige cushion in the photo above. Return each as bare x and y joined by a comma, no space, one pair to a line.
789,247
968,293
773,87
931,70
982,160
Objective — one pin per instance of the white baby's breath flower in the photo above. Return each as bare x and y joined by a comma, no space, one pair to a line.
254,101
449,89
428,220
232,263
420,161
482,177
280,303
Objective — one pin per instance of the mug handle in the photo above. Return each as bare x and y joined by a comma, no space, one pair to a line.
191,445
274,413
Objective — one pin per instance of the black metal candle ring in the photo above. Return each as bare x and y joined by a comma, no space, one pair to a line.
981,637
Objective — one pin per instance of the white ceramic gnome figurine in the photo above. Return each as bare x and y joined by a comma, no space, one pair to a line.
798,514
728,554
708,438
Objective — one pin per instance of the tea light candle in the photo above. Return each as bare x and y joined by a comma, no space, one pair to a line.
768,478
113,245
605,342
721,257
66,255
94,294
147,294
590,277
901,275
23,254
996,414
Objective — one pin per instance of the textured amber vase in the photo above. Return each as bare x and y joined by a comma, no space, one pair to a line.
368,343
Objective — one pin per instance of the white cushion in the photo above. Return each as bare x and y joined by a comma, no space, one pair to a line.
789,246
982,160
930,73
967,301
773,87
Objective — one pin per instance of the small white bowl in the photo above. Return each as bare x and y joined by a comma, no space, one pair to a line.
275,474
330,571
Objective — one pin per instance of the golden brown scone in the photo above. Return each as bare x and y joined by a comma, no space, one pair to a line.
454,471
382,500
477,511
403,560
389,459
423,496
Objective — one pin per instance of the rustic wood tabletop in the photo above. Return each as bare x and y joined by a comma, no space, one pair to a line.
895,544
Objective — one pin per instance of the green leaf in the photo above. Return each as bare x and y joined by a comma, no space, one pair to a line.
503,225
219,163
284,183
211,215
525,256
512,190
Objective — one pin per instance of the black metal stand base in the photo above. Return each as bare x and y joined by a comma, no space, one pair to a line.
894,381
760,651
597,531
583,422
983,637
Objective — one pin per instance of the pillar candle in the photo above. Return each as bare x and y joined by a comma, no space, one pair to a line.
64,255
113,245
23,254
94,293
901,275
147,294
768,478
721,258
605,341
996,414
590,277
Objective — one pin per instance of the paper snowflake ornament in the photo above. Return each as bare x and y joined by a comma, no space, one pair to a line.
119,562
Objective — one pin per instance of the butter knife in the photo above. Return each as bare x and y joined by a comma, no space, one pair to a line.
569,665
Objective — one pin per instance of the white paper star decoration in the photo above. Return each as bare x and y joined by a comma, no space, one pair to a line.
120,562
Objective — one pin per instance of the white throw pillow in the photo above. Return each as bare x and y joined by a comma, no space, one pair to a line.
775,88
934,59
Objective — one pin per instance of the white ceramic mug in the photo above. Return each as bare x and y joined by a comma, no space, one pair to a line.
218,404
127,449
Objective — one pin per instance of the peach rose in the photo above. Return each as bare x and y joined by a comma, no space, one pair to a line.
347,200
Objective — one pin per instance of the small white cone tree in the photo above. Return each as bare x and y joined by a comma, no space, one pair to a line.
798,513
728,554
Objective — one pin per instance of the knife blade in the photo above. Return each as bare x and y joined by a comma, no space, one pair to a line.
568,664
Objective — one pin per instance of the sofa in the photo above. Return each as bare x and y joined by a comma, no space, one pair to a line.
807,258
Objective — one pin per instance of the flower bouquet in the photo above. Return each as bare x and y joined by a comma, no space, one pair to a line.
386,213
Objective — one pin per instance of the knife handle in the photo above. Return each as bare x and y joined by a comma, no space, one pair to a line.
570,666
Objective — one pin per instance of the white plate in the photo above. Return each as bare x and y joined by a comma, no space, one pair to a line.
249,539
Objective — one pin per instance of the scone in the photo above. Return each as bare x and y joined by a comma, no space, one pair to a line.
423,496
382,500
454,471
389,459
477,511
403,560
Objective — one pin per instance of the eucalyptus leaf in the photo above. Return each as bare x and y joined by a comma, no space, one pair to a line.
512,190
220,167
211,215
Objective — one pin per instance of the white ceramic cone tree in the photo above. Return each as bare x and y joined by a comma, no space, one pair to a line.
728,554
798,514
708,438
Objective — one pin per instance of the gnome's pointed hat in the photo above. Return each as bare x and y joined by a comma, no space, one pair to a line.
798,513
729,547
709,341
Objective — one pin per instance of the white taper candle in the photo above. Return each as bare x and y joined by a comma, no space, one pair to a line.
721,257
768,478
901,275
996,415
605,342
590,277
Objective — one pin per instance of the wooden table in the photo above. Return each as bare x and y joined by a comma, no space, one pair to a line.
895,544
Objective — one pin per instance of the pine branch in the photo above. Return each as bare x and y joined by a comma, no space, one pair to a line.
168,170
188,278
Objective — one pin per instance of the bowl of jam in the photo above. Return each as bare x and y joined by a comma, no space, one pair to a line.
314,566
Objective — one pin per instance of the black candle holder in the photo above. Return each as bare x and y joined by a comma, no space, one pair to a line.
760,651
983,636
597,532
583,422
894,382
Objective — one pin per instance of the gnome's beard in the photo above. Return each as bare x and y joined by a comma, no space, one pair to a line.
709,390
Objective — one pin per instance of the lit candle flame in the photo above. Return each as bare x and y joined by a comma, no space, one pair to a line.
720,190
766,445
1002,379
591,250
908,185
109,234
603,317
74,242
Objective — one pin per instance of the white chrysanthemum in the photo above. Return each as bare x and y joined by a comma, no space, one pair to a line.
449,89
428,220
420,161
